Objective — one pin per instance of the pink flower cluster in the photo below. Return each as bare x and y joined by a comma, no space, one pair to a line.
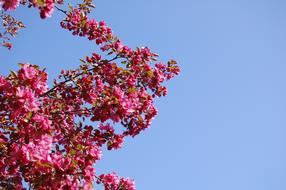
46,7
113,181
78,22
10,4
124,91
44,137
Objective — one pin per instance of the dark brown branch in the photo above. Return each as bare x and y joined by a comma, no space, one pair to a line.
61,10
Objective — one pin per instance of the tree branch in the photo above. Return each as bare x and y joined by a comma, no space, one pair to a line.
72,78
61,10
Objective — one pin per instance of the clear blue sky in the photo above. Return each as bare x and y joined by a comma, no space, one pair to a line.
223,124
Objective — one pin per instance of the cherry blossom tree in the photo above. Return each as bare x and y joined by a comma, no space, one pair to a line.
52,138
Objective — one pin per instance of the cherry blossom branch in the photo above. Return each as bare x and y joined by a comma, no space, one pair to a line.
76,76
44,134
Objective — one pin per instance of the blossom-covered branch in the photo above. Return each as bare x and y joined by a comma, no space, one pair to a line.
52,138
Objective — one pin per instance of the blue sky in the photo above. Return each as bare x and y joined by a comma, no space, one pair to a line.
222,125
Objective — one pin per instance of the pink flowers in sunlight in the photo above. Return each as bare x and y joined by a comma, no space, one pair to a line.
27,99
42,122
38,149
47,9
10,4
28,72
3,82
113,181
53,138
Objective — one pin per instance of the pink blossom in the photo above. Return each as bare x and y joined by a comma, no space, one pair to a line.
59,161
128,184
116,142
159,75
28,72
89,173
27,98
43,122
10,4
91,96
46,137
38,149
3,82
106,127
6,44
113,181
35,78
47,10
88,186
40,85
99,84
95,152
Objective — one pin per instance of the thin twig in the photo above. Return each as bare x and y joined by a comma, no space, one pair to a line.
61,10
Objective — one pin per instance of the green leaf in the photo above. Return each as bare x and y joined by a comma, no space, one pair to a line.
70,7
30,114
83,61
150,73
13,73
40,3
132,90
91,5
44,164
79,147
72,152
